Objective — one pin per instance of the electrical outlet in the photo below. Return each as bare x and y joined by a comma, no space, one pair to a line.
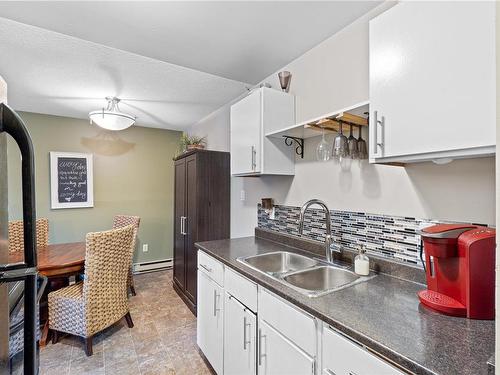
145,248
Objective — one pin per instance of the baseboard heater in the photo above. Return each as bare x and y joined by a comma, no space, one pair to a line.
152,266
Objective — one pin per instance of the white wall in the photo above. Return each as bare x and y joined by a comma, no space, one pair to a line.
216,127
331,76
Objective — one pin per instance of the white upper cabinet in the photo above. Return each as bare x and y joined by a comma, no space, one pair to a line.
432,81
252,153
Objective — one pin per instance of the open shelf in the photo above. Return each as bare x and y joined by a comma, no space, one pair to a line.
312,128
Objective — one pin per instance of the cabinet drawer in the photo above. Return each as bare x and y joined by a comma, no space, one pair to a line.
278,355
291,322
211,267
241,288
342,356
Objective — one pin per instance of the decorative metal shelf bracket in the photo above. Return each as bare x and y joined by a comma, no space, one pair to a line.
299,149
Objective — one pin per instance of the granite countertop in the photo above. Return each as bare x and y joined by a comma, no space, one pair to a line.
383,313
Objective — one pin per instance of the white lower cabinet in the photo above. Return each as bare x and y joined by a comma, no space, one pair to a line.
244,329
341,356
277,355
289,320
210,321
240,345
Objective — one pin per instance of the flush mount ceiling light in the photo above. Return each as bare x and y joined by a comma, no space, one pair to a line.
111,118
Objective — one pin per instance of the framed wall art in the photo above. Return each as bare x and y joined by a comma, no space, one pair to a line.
71,180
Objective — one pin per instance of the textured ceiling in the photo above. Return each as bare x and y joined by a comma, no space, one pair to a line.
172,63
51,73
244,41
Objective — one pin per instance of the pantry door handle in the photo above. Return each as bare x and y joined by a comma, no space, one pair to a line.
183,225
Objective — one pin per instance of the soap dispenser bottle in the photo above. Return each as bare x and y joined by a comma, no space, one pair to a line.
362,262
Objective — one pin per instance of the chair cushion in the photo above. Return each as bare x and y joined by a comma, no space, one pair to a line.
16,339
67,310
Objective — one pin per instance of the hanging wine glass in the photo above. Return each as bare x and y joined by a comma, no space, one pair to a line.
352,144
323,149
340,145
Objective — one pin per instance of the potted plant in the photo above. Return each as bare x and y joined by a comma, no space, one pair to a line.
190,142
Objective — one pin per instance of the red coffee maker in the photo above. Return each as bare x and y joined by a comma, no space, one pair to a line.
460,270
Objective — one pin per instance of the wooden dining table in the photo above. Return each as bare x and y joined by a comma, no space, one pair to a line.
57,262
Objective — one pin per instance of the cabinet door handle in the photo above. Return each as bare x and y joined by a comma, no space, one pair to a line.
216,296
251,163
327,371
376,143
260,355
244,333
215,302
245,325
254,162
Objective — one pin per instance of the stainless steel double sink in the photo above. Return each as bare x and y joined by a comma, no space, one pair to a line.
310,276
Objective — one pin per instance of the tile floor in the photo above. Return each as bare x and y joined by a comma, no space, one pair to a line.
163,340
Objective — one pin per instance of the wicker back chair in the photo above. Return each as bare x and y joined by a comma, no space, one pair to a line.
16,234
86,308
120,221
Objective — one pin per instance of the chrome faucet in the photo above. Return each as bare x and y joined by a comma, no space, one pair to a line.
328,237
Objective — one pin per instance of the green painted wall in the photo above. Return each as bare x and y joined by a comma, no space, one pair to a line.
133,174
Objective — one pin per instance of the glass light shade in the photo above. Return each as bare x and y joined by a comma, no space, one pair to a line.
111,120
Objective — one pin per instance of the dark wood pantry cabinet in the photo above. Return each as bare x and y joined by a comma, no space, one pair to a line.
201,213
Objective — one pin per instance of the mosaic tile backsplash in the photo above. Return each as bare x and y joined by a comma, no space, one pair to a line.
386,236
